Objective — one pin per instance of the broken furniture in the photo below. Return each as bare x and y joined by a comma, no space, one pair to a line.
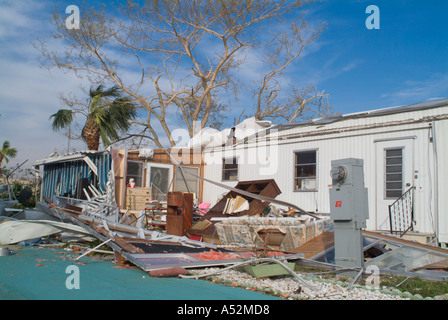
137,197
267,188
152,250
179,213
278,233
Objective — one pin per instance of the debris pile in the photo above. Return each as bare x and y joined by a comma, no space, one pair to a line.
291,289
242,240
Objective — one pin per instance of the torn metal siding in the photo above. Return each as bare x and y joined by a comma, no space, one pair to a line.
61,178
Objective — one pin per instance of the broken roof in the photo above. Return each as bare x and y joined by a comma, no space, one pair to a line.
330,122
72,156
369,113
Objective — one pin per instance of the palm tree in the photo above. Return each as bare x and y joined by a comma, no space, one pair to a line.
6,152
108,114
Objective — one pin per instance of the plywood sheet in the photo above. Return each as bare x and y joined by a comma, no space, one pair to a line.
316,245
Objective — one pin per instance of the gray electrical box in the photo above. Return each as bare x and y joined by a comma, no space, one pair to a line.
349,211
348,196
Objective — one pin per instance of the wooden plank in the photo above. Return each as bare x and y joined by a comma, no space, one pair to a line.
126,245
201,225
187,211
174,225
316,245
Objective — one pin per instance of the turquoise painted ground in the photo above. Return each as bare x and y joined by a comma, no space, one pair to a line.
35,273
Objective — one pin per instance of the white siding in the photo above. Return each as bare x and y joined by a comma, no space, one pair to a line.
442,178
347,144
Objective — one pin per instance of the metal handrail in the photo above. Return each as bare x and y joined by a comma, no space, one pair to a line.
401,213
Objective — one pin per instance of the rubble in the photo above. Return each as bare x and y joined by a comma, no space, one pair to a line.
290,289
182,238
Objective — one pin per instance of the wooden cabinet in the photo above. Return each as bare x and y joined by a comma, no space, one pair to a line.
179,216
136,198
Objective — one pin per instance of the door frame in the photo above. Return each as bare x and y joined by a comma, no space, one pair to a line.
381,216
149,165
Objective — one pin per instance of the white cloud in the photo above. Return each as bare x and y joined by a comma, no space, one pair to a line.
17,16
424,89
29,94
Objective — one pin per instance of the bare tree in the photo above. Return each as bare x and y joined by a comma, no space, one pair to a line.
180,57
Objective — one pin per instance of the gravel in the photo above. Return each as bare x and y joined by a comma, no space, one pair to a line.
311,288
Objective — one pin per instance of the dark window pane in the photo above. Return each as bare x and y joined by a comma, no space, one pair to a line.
393,193
230,169
305,170
393,177
394,169
393,161
393,185
135,171
394,173
306,157
394,153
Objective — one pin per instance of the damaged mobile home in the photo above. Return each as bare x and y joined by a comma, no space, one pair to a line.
263,186
404,150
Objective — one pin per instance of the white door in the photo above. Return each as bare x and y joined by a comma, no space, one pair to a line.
394,175
160,177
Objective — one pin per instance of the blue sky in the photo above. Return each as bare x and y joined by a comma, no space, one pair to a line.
403,62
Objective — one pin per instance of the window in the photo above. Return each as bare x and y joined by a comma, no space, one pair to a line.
394,173
159,177
305,170
193,182
135,171
230,169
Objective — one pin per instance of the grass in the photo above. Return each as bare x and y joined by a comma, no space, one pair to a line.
424,288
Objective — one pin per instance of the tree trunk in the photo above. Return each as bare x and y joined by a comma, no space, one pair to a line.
91,134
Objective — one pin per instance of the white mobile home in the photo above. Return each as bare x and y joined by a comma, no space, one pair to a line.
403,148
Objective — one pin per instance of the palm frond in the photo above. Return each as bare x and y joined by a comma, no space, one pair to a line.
100,92
7,152
62,119
111,114
115,119
6,145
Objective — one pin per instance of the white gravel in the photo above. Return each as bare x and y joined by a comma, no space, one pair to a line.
289,288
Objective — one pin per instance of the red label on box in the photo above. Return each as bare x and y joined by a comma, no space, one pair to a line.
338,204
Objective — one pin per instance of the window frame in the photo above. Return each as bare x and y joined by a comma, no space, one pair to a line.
385,188
141,168
176,181
295,164
223,169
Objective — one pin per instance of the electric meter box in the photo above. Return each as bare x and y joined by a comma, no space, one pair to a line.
348,196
